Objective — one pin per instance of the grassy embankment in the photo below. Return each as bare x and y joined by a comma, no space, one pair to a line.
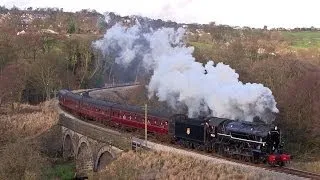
163,165
29,144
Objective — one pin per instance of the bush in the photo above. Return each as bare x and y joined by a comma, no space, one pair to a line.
71,27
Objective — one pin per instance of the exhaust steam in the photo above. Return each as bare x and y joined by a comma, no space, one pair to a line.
177,79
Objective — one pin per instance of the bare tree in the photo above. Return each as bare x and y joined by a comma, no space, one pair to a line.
12,83
87,69
7,50
45,72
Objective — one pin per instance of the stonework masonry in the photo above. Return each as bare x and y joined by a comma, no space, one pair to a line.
88,143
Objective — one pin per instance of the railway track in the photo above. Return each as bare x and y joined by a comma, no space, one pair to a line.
300,173
107,86
285,170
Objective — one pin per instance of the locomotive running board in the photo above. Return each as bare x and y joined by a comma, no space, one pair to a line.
240,139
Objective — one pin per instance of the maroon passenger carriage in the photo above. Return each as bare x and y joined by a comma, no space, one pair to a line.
106,112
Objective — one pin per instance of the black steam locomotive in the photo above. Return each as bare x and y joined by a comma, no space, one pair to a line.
251,141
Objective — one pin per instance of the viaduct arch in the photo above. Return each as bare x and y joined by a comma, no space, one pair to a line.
91,147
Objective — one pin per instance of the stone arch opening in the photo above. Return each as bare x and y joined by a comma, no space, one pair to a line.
103,160
84,162
68,150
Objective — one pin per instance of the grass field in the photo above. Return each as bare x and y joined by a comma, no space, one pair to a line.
304,39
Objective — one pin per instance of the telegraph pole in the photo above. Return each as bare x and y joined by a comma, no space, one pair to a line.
146,123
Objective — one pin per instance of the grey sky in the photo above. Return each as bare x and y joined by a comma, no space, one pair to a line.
254,13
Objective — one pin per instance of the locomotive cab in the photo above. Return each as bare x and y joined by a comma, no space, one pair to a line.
210,130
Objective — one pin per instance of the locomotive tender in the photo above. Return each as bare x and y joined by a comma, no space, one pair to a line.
251,141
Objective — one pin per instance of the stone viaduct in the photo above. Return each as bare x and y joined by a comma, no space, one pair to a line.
92,146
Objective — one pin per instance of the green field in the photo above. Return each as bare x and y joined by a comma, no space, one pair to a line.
303,39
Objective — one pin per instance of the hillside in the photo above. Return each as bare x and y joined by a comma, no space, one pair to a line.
44,50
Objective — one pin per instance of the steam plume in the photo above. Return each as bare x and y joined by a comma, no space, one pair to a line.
178,79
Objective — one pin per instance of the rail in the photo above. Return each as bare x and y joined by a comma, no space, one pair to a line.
300,173
108,86
121,84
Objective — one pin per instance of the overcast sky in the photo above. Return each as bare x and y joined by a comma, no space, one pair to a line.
253,13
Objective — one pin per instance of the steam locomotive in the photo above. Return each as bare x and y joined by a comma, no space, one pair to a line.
251,141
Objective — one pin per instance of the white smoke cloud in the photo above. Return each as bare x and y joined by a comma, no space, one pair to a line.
120,42
178,79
